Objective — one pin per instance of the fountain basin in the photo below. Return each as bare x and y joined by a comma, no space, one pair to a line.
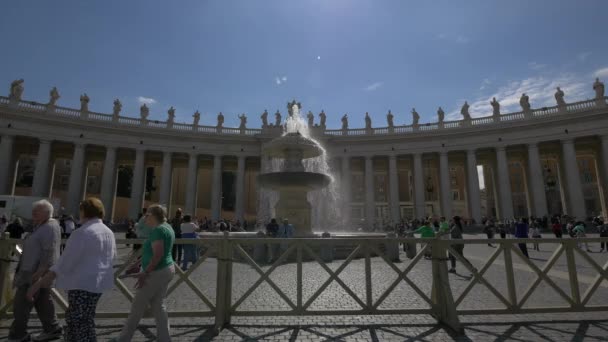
300,180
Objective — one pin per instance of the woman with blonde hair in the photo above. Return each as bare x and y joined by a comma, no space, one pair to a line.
153,281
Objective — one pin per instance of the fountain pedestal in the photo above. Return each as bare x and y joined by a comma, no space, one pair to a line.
294,206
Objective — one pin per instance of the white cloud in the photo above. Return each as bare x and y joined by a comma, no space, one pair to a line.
583,56
146,100
536,66
374,86
280,79
601,73
540,89
454,38
486,82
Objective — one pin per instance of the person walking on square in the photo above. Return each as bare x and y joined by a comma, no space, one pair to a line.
536,235
456,234
188,230
579,233
152,283
272,230
286,231
176,224
603,228
521,232
489,230
426,232
556,227
84,270
40,253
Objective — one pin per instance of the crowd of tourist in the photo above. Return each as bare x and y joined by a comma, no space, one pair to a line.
83,267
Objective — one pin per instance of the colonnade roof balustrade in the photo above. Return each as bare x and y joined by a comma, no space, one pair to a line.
14,102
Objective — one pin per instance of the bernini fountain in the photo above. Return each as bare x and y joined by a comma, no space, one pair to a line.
293,181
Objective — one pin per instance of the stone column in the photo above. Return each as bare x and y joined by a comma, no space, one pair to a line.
76,184
40,184
216,188
536,182
602,162
601,186
576,200
239,208
504,184
137,185
191,185
108,182
393,183
166,180
6,156
445,185
474,199
346,190
370,217
419,204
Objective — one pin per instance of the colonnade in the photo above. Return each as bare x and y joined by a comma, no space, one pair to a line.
573,203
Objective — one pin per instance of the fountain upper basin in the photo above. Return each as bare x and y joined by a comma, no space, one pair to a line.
300,180
280,147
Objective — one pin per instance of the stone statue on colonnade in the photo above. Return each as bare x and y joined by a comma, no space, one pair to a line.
599,91
345,122
464,110
264,118
311,119
524,102
197,118
368,121
415,117
243,119
144,111
170,116
116,109
53,96
277,118
220,120
495,107
559,98
322,118
16,90
440,115
293,108
389,119
84,102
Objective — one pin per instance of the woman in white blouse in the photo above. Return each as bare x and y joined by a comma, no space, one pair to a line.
189,229
84,270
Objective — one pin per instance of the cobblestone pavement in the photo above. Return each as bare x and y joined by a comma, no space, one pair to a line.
554,327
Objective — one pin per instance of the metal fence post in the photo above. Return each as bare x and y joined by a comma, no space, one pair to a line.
224,284
5,264
443,308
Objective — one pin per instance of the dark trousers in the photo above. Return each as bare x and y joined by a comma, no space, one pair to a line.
524,249
558,234
460,250
177,250
43,303
604,244
80,316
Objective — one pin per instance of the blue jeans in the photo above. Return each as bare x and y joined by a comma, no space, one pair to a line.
190,251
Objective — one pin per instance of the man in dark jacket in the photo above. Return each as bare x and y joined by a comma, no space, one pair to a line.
176,223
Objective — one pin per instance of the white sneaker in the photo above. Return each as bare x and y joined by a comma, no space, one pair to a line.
44,336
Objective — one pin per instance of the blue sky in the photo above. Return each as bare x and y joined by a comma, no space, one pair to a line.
343,56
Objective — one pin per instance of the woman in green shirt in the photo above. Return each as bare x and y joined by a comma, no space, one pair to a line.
153,281
426,232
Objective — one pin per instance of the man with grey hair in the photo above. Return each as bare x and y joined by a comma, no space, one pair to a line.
40,252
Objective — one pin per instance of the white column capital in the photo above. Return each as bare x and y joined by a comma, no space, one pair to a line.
167,154
44,141
568,141
10,137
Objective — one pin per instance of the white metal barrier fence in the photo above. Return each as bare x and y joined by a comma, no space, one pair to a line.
235,256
